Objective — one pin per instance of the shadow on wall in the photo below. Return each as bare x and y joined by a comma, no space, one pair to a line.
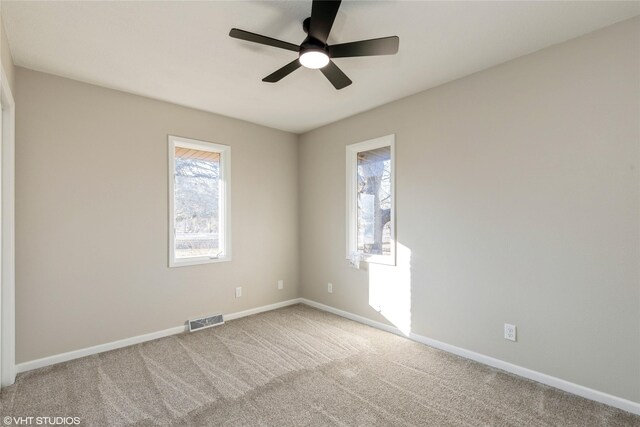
390,289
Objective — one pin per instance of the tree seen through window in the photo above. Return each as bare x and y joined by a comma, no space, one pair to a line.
374,201
196,203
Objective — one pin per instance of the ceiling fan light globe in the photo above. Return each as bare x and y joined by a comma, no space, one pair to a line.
314,59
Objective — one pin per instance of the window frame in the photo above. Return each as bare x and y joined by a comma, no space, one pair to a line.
352,198
224,231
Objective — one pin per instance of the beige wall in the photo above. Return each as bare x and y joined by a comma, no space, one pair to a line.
91,201
517,200
5,56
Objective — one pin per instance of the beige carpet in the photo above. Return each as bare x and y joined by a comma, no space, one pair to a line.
295,366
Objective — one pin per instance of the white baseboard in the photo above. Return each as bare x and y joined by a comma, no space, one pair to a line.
588,393
75,354
100,348
262,309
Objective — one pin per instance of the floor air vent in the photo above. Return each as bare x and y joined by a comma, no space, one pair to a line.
205,322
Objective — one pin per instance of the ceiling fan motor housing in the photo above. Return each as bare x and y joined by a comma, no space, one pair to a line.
311,44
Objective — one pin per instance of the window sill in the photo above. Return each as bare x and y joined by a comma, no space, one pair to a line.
389,260
197,261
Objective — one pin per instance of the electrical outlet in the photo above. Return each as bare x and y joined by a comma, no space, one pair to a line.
238,292
280,284
330,288
509,332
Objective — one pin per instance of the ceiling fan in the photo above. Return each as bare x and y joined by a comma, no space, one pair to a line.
314,52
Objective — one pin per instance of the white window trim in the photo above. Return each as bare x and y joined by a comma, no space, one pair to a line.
224,199
7,231
352,198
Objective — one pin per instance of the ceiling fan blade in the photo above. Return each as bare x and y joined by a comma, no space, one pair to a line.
381,46
257,38
323,13
282,72
335,75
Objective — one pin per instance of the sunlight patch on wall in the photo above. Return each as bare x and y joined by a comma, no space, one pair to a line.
390,289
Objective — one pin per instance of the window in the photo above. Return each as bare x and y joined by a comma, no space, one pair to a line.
199,230
370,200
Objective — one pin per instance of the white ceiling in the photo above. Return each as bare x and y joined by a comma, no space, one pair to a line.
181,52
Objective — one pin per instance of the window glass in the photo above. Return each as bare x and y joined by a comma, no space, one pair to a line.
197,203
374,201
